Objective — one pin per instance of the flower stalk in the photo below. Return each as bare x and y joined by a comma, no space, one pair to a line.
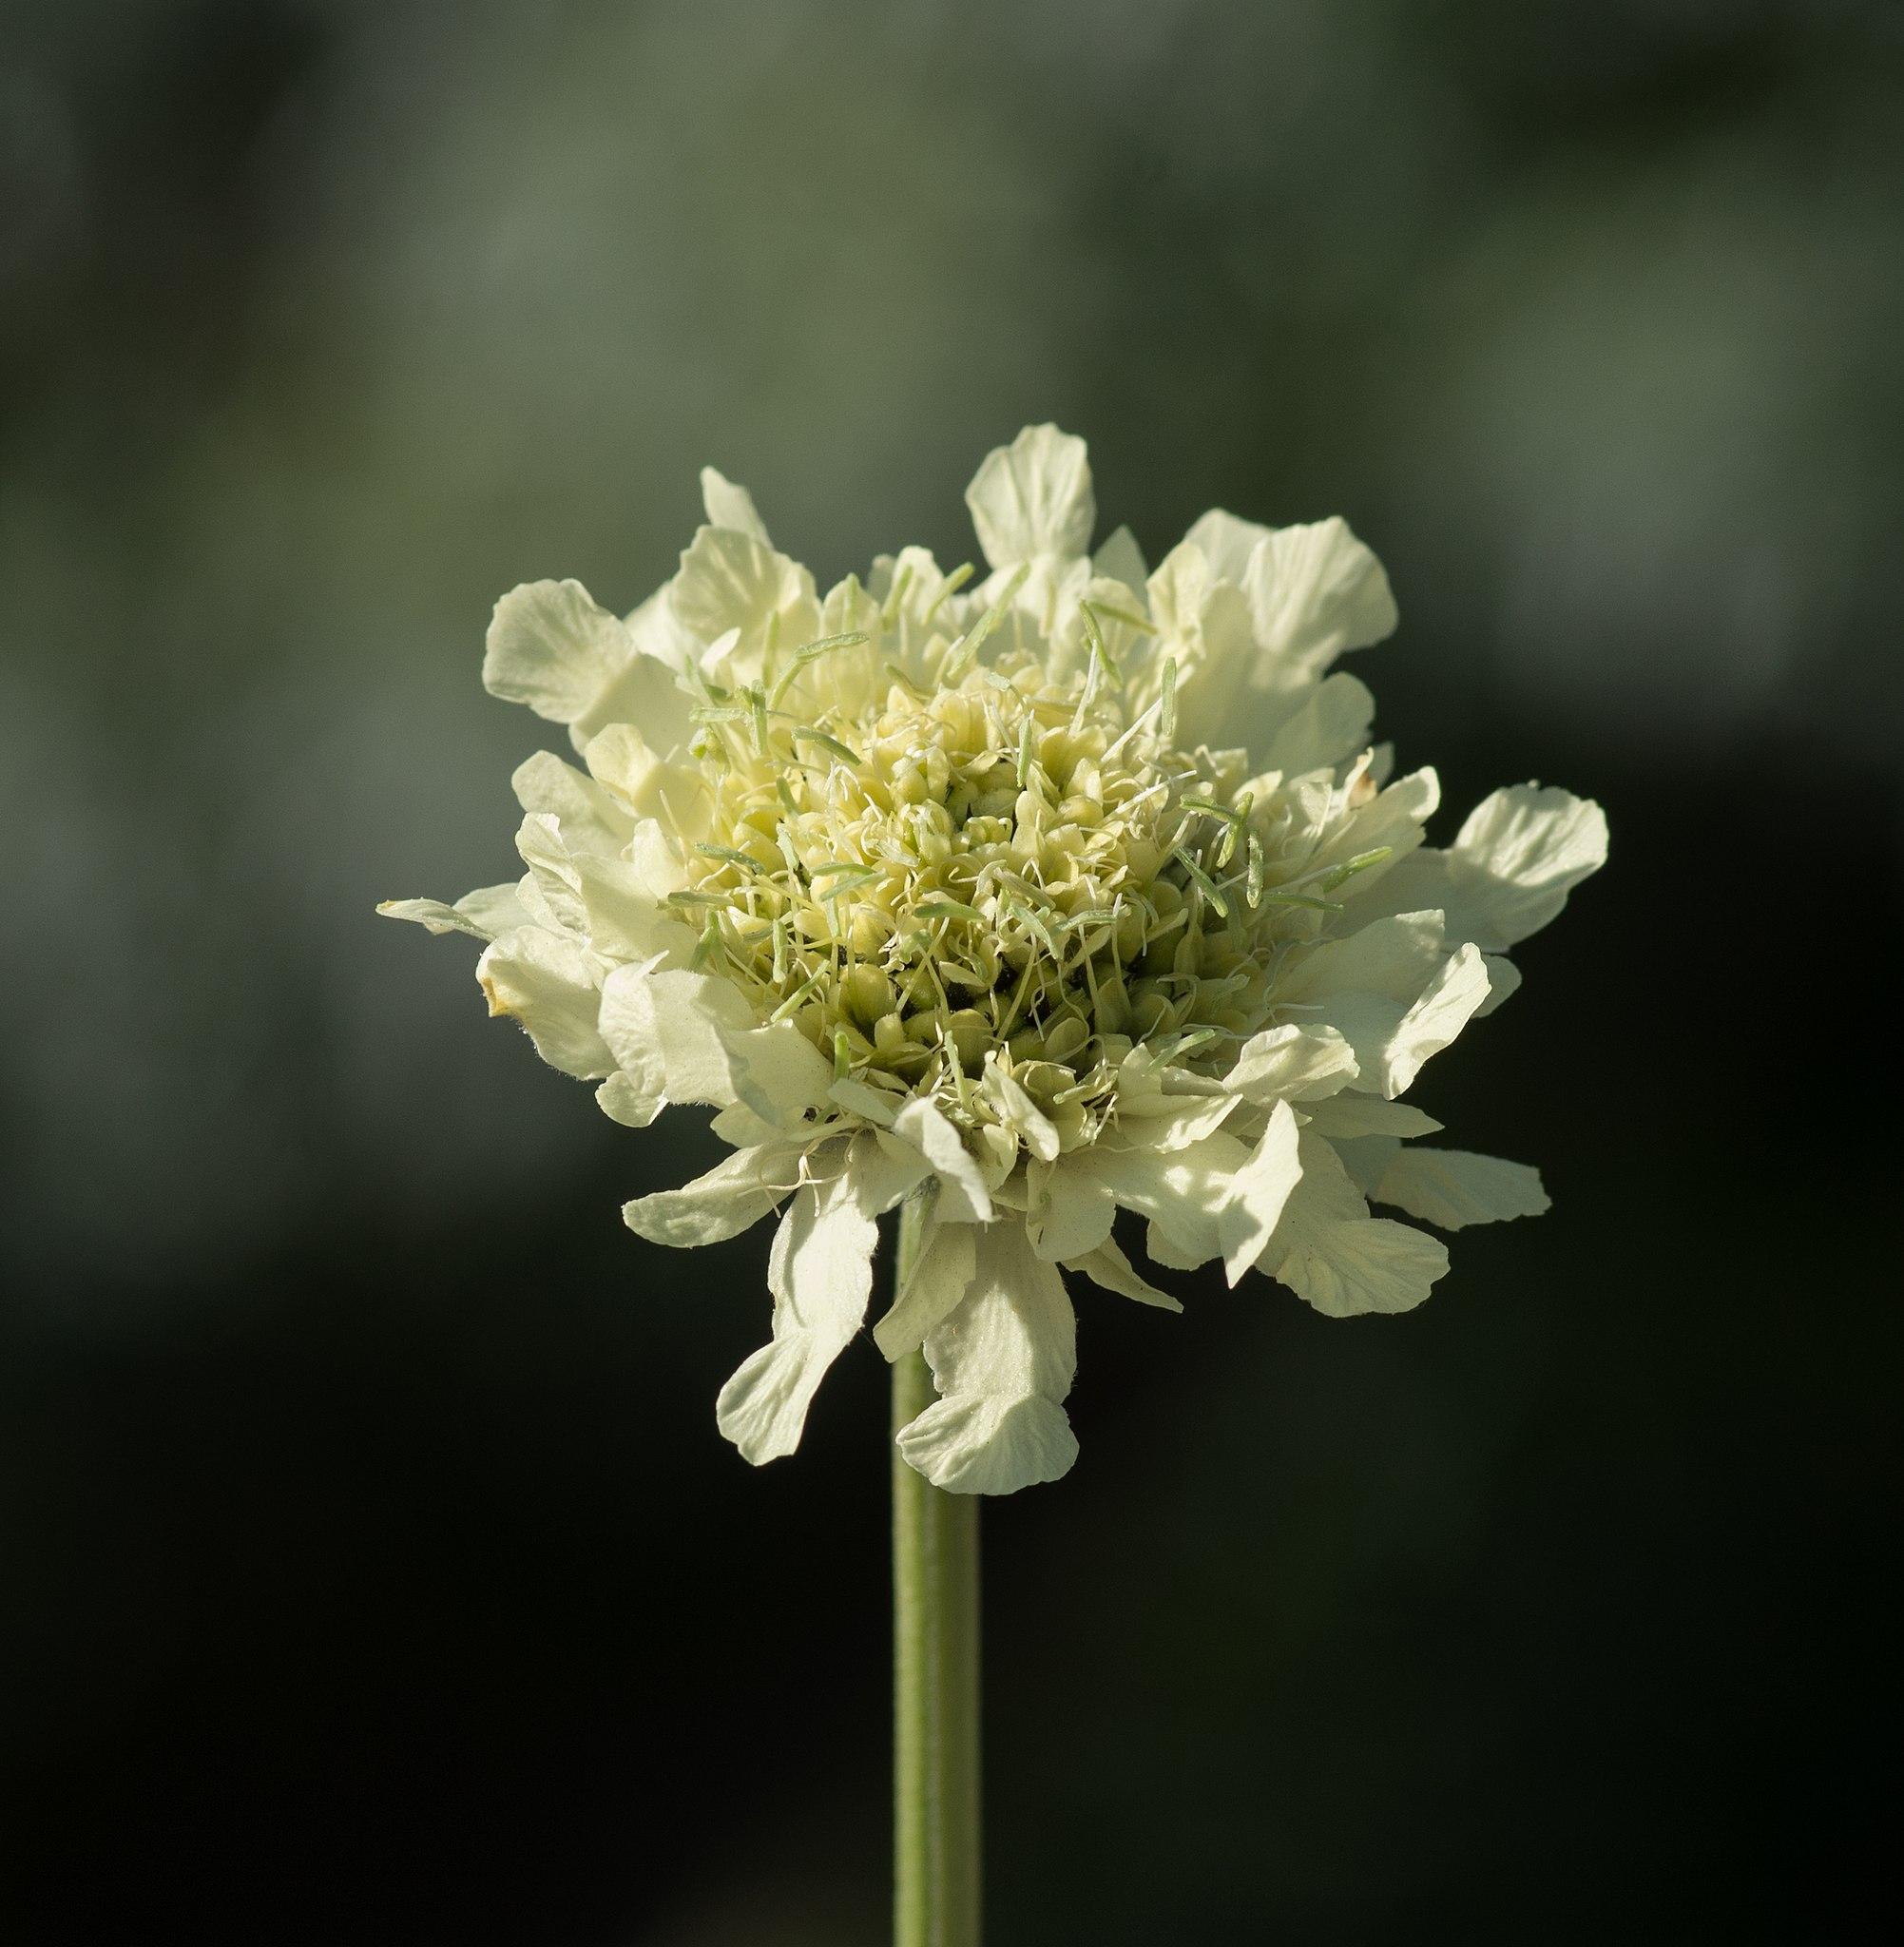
937,1873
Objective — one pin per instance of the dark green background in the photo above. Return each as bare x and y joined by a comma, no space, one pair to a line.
373,1571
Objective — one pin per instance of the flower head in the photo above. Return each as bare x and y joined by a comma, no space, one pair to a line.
1034,898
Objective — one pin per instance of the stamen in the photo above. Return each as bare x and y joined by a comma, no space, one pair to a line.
1205,883
963,653
807,734
812,652
953,583
798,998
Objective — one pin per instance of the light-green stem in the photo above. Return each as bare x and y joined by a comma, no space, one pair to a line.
936,1690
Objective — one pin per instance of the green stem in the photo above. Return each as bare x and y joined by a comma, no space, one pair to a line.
936,1844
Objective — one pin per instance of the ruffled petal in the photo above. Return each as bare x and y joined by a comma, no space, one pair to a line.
1003,1363
696,1033
550,646
1109,1267
1329,724
1017,1110
1071,1211
1033,497
588,817
1206,631
1395,995
1227,542
629,1100
543,981
1503,982
1391,822
936,1283
729,506
732,581
962,1195
1258,1193
670,792
1182,1192
1314,592
1456,1188
483,914
1292,1063
1331,1252
646,691
1120,559
820,1273
733,1196
1445,1006
1351,1116
1511,867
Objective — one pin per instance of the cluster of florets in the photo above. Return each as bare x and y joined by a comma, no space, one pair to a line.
1080,889
984,862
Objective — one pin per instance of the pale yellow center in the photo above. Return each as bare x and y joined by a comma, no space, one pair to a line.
1001,864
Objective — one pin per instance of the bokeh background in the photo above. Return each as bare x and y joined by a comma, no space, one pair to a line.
372,1570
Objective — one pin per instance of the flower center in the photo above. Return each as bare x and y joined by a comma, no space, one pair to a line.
921,879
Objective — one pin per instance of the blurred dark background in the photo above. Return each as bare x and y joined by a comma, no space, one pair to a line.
373,1570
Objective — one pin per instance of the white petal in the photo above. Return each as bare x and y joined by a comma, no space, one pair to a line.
552,647
647,693
729,579
1071,1211
1293,1063
1391,991
1392,956
1392,820
1456,1188
1174,1122
1121,560
624,919
1364,1157
1162,1247
673,793
588,817
1447,1005
1017,1110
729,506
701,1032
1331,722
1227,542
625,1099
1314,592
1003,1363
739,1125
1109,1267
889,1172
861,1099
820,1273
485,913
556,882
544,980
1527,848
1258,1193
963,1197
1033,497
1355,1114
732,1196
1511,867
1503,982
1331,1252
937,1280
1206,631
1181,1191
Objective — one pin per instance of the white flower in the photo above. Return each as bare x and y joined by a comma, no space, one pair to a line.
1076,891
